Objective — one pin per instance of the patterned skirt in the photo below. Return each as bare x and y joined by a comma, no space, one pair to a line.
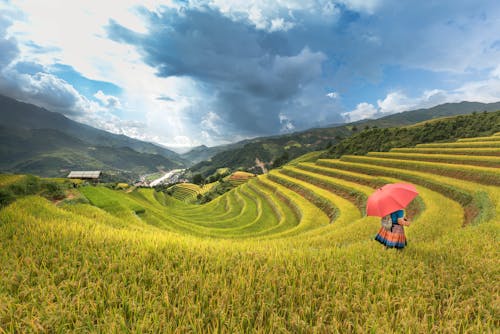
396,238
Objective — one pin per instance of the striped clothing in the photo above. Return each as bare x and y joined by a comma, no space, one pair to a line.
393,239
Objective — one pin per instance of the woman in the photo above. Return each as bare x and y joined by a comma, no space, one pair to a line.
395,238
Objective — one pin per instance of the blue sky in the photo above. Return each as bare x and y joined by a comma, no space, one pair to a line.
185,73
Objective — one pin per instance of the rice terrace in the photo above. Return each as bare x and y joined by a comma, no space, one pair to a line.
207,166
290,251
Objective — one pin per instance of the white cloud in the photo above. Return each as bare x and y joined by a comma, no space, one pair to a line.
211,123
109,101
481,91
363,110
280,24
286,123
485,91
279,15
45,90
74,33
333,95
394,102
496,72
363,6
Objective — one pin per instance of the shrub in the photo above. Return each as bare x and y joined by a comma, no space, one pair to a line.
53,191
6,197
198,179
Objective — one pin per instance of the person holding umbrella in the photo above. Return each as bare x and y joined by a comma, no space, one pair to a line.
388,203
395,236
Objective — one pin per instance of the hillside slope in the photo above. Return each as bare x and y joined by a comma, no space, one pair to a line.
291,251
23,115
290,146
34,140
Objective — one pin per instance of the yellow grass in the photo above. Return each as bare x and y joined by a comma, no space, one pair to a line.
288,252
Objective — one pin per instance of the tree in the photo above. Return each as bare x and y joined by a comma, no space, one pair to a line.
281,160
198,179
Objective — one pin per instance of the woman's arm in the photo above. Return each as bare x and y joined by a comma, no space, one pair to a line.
403,221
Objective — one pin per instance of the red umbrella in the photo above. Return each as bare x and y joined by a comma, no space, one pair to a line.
390,198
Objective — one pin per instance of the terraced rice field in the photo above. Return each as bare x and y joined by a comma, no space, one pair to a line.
188,192
239,178
290,251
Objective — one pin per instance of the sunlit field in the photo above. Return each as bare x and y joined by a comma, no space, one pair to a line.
291,251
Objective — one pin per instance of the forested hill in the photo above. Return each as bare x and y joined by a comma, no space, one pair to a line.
28,116
444,129
37,141
287,147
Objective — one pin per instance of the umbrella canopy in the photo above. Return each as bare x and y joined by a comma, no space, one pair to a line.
390,198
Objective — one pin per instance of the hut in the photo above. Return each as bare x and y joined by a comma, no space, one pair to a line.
91,176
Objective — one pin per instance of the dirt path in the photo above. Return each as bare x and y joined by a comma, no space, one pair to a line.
68,196
261,165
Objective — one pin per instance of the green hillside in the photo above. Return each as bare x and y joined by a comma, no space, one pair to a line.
243,155
27,116
442,129
287,252
34,140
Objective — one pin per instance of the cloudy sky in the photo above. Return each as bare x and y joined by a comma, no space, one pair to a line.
185,73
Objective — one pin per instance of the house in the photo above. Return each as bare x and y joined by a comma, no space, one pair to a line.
92,176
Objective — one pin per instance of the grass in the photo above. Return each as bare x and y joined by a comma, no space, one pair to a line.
487,161
188,192
8,179
469,144
488,151
239,177
287,252
485,175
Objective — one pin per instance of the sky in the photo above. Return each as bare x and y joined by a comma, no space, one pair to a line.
211,72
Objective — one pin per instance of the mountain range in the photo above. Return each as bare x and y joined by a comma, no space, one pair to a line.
261,152
37,141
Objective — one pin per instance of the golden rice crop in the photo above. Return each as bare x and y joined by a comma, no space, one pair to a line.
470,151
480,160
485,175
288,252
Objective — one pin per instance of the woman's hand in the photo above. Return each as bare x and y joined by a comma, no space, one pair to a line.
404,221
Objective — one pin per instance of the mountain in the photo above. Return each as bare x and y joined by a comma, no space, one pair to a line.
203,153
35,140
263,151
28,116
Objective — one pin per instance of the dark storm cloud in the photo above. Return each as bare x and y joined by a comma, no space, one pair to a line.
250,76
165,98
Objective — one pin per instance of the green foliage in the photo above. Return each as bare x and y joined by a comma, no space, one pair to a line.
219,174
34,140
53,191
267,149
283,159
6,197
380,140
198,179
219,189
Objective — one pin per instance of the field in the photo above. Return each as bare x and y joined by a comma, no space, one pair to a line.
187,192
239,178
287,252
